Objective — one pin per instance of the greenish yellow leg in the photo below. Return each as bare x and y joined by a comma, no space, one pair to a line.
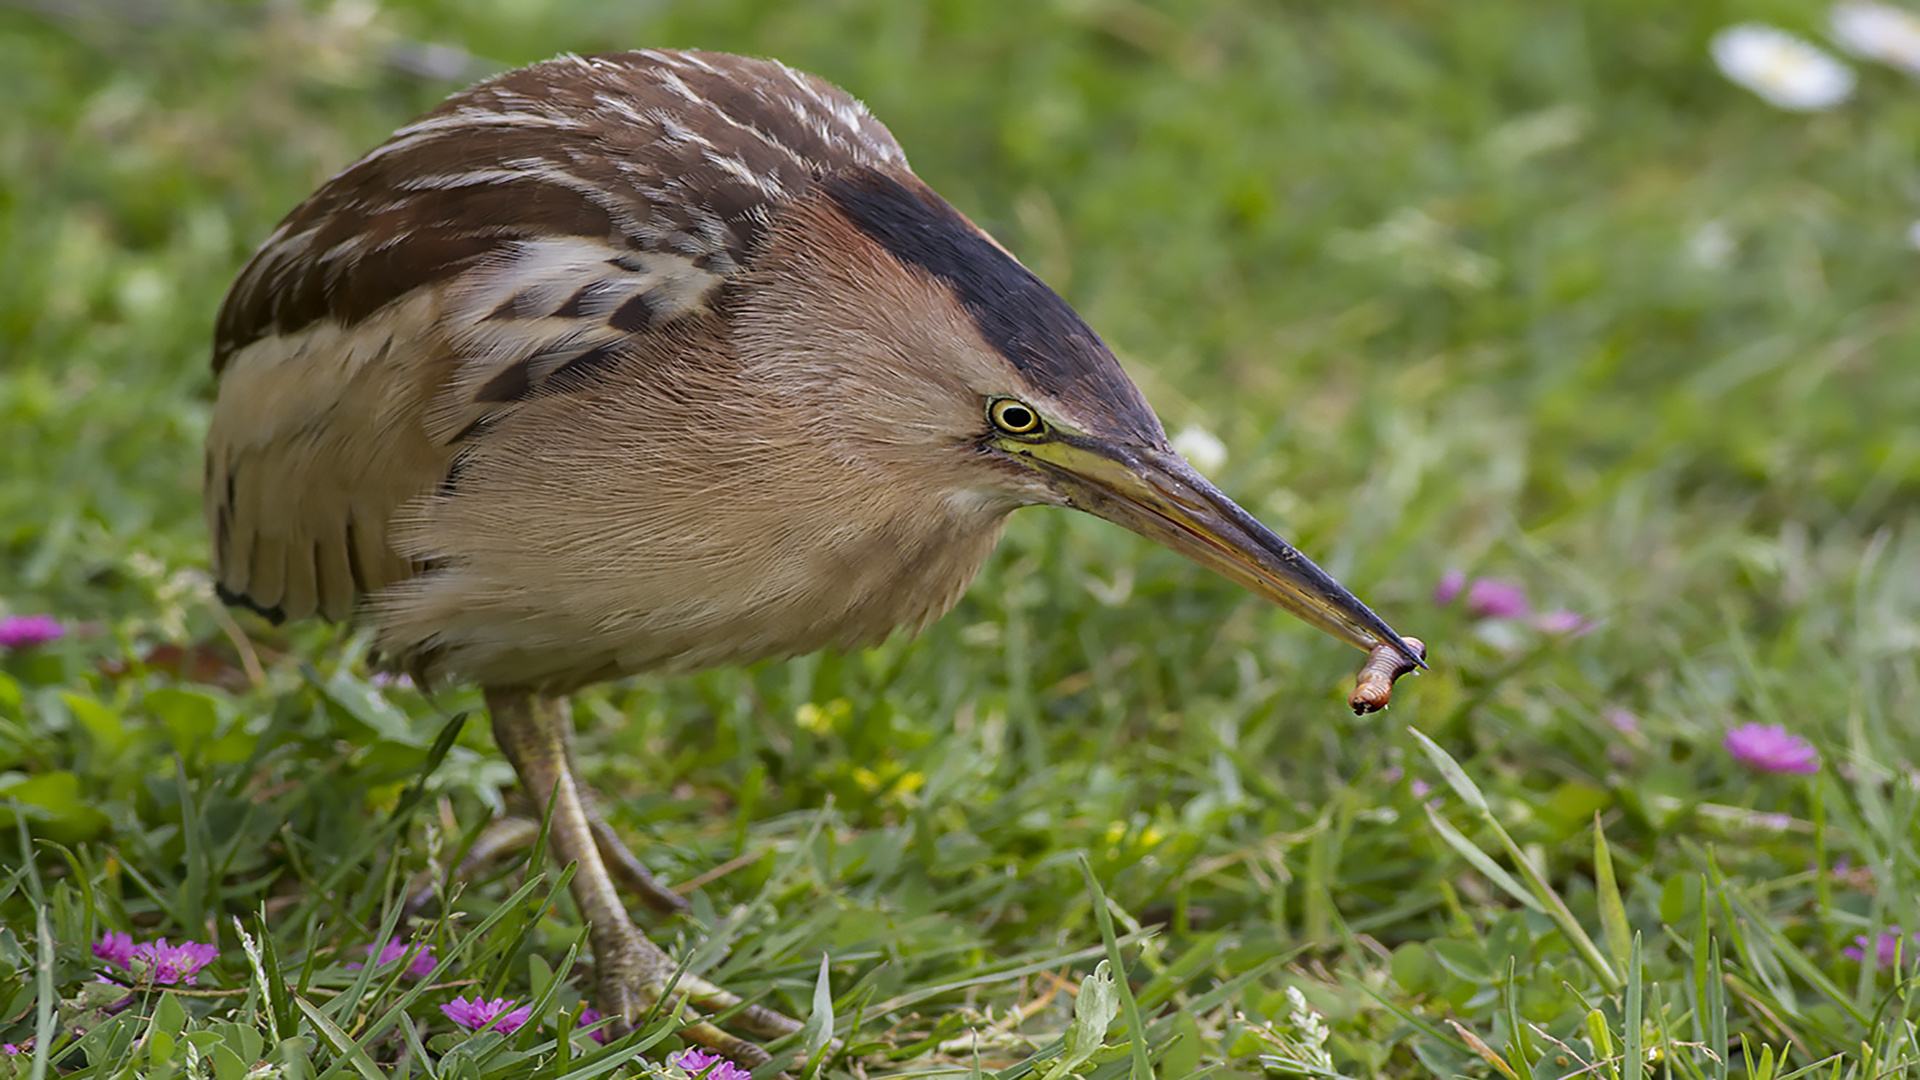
536,735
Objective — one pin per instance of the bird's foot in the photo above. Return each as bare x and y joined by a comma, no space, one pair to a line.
636,977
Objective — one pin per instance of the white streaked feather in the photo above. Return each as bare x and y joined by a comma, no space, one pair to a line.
543,275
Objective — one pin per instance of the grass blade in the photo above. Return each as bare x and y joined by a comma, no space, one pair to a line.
342,1043
1137,1032
1613,910
1543,892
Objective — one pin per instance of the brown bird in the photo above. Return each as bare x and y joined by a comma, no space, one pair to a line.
653,362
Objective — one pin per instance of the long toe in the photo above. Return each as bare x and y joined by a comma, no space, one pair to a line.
638,977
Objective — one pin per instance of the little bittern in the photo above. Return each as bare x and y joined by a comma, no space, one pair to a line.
652,362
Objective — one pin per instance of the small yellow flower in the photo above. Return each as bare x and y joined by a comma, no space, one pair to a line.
823,719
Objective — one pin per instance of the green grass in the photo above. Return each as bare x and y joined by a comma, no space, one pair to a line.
1522,289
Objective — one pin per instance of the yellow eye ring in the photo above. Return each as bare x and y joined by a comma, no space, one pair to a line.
1014,417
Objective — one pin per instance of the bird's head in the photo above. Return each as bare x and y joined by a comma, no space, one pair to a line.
935,347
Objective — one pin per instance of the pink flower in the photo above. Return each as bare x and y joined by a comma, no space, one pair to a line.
1498,598
481,1015
1570,623
1886,949
163,963
26,631
710,1066
176,963
395,949
590,1016
1768,748
11,1049
1623,721
1493,598
116,949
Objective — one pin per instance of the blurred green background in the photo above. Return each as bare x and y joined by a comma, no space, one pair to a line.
1523,289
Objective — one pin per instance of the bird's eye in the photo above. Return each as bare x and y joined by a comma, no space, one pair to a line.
1013,417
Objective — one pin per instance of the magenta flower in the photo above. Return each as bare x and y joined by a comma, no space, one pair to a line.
116,949
1493,598
26,631
395,949
706,1064
1768,748
176,963
11,1049
1570,623
1623,721
482,1015
590,1016
1498,598
1886,949
165,964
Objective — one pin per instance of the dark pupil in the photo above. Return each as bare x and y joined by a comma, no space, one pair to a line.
1017,418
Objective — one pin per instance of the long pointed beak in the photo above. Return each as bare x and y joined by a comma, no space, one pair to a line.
1158,495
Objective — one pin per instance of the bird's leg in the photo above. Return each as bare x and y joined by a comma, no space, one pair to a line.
536,735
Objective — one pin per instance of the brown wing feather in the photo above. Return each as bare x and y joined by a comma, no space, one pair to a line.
500,247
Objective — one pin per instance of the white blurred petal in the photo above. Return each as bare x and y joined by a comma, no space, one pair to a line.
1712,246
1202,448
1882,32
1782,69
